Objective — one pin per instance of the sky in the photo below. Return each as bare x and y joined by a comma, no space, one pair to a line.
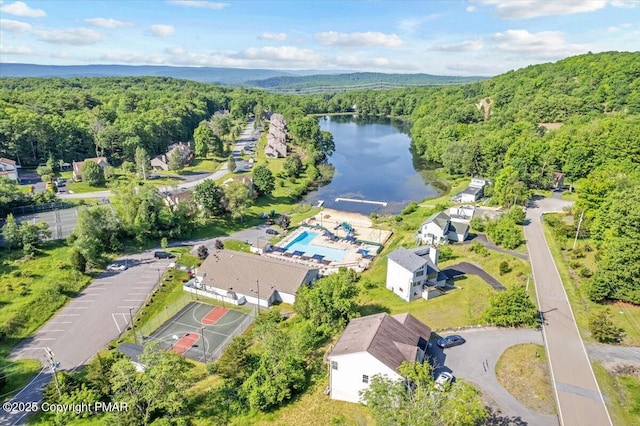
454,37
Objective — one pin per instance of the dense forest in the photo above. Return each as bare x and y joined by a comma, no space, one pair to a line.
579,116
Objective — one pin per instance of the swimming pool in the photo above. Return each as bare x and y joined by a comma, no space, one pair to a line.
303,243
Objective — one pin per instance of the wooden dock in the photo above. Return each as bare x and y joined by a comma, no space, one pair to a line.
380,203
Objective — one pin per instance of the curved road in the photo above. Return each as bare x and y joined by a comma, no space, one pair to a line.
578,396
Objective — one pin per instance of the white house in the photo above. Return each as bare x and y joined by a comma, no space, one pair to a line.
9,169
440,228
235,275
77,166
374,345
474,191
411,273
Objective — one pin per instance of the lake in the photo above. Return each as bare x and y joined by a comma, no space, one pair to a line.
373,161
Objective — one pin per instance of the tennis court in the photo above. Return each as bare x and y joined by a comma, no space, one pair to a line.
200,331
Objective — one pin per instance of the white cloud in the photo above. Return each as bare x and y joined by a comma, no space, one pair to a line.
160,30
524,9
200,4
333,38
12,26
107,23
132,58
21,9
542,45
471,9
273,36
281,53
465,46
74,37
15,50
411,25
625,4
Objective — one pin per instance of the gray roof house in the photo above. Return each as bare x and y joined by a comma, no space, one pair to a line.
440,228
414,274
276,137
256,278
374,345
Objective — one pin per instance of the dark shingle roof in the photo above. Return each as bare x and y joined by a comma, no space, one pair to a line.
407,259
459,227
390,339
441,219
472,190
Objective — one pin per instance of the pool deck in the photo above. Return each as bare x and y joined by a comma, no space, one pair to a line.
330,220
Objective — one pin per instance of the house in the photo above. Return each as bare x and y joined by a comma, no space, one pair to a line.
9,169
462,213
161,162
413,273
440,228
260,246
557,181
374,345
276,137
247,180
172,199
473,192
132,352
255,278
77,166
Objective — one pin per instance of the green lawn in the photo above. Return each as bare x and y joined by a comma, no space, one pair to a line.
621,393
18,373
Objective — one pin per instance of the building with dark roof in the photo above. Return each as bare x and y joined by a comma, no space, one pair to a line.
374,345
414,274
243,275
440,228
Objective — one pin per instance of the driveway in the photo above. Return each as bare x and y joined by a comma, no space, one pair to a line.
89,321
462,268
578,395
475,361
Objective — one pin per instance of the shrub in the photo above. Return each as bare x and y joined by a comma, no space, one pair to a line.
479,249
477,224
410,208
203,251
446,253
586,272
511,308
603,329
504,267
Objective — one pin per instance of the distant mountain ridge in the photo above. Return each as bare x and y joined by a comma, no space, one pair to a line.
296,81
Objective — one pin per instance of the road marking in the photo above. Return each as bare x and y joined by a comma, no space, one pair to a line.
51,331
45,338
60,322
68,315
117,326
137,294
125,307
77,307
134,300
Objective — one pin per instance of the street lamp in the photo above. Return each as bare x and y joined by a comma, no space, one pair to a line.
135,339
173,341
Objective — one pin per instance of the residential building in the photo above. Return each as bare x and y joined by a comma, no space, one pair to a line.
9,169
260,246
246,179
374,345
172,199
276,137
414,274
259,279
161,162
77,166
473,192
440,228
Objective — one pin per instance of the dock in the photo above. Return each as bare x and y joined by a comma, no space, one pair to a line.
380,203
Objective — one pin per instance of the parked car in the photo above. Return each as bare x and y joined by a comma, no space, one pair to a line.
60,182
272,231
117,267
450,341
443,380
163,255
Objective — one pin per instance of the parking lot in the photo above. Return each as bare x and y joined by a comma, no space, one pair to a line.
475,362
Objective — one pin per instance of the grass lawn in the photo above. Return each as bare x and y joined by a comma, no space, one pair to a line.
625,315
622,394
523,371
237,245
18,373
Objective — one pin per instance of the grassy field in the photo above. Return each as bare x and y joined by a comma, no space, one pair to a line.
622,394
31,291
523,371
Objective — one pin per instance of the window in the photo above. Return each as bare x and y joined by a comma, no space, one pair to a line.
401,290
334,365
420,273
365,378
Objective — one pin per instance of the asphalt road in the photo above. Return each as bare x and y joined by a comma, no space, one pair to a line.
475,361
88,322
578,396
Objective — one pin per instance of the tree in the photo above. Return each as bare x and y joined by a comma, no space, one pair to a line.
92,173
393,402
143,163
238,199
202,138
293,166
46,171
78,261
509,189
603,329
284,221
210,197
263,180
231,164
219,244
176,161
11,232
511,308
98,230
164,243
33,235
203,252
236,361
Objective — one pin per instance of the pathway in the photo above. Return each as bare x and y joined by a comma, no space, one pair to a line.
469,268
578,396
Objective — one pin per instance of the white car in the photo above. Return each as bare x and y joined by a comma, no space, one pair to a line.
117,267
443,380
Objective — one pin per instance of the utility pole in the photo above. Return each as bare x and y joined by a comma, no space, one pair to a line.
54,366
575,241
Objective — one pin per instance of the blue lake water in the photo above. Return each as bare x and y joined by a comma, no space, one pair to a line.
372,161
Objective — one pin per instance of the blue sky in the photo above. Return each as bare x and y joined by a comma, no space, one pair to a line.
455,37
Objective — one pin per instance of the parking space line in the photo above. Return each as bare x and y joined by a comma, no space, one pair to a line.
45,338
68,315
134,300
114,320
52,331
77,307
60,322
